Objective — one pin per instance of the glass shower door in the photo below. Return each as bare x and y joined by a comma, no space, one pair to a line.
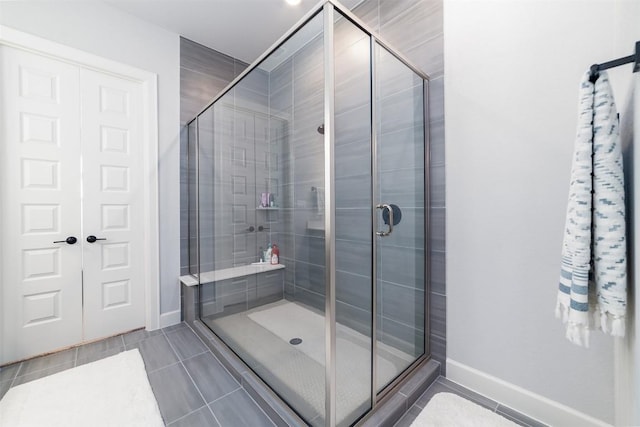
353,216
399,200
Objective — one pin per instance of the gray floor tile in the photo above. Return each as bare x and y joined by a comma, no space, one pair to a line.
408,417
87,350
156,352
98,356
4,387
238,409
9,372
43,373
175,327
136,336
200,418
518,418
185,343
210,376
46,362
175,392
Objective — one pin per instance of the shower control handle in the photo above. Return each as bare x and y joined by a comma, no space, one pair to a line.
389,209
251,229
261,228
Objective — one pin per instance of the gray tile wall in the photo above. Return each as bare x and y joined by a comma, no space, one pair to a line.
415,28
298,82
203,74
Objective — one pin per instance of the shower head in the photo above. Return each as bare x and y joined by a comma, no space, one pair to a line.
321,129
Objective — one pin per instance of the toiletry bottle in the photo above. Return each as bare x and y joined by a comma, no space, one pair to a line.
275,255
267,256
261,254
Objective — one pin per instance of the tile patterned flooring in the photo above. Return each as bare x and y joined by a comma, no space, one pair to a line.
192,387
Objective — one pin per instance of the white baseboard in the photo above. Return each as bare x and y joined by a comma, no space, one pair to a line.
170,318
528,403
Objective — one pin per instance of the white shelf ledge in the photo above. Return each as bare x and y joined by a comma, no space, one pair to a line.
230,273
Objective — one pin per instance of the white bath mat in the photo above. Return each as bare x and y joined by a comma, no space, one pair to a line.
450,410
110,392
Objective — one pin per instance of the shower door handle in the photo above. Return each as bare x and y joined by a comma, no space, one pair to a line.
390,211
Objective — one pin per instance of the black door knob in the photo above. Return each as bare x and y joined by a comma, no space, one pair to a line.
250,229
93,238
69,240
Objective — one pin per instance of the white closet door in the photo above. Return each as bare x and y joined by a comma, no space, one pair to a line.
71,166
112,204
40,185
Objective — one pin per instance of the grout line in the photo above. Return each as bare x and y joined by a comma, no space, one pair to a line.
16,375
214,415
208,350
259,407
225,395
175,352
193,382
241,386
158,369
185,416
199,392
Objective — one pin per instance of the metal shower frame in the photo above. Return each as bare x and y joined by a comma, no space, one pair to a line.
328,7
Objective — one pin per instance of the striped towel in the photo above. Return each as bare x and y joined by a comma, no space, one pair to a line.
593,276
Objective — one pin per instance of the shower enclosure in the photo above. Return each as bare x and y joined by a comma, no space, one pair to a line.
320,149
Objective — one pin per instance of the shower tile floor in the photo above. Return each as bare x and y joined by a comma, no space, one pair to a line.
192,387
261,337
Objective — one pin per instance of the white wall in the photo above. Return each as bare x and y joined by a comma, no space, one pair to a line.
512,71
627,351
104,31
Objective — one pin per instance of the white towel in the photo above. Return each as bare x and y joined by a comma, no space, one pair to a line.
593,277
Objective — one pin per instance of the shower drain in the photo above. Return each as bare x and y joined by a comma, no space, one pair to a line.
295,341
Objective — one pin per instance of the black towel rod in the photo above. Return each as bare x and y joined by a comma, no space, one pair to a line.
595,68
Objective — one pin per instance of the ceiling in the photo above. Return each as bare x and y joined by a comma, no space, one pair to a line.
243,29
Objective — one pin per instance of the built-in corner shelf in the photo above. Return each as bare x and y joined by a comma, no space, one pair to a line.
270,208
230,273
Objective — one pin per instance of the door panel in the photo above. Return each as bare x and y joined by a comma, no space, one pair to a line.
41,280
112,205
399,188
70,165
